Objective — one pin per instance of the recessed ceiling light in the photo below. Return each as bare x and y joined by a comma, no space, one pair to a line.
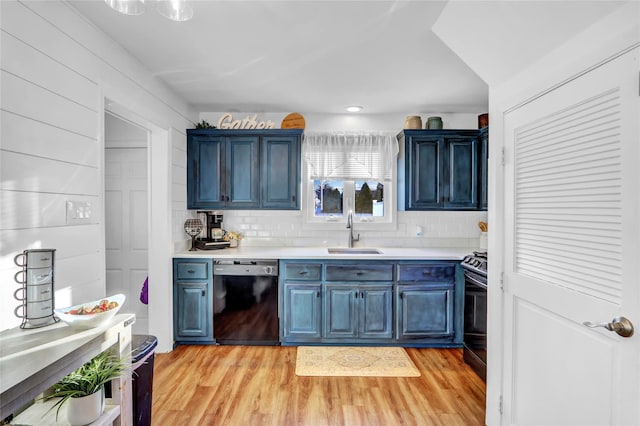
354,108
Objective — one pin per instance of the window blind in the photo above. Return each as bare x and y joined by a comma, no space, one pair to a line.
350,155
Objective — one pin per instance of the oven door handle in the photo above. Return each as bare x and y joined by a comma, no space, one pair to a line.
475,281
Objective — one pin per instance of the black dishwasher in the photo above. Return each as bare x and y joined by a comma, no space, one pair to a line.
245,302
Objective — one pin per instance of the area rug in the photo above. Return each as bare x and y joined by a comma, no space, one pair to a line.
354,361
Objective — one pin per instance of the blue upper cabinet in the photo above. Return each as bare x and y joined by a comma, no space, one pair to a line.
461,173
424,165
242,173
442,169
280,172
205,175
483,168
243,169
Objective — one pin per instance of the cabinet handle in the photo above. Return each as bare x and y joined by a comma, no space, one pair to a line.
362,295
222,197
426,272
191,271
318,293
303,272
401,295
227,198
359,273
356,294
203,293
293,198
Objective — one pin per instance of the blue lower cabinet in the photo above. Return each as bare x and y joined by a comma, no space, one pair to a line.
358,312
404,303
192,301
424,311
376,312
301,319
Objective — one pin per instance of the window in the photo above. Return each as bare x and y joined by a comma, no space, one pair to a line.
349,173
329,197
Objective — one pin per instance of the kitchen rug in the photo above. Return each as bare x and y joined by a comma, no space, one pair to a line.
354,361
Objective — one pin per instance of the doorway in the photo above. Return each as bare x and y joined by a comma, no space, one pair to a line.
126,213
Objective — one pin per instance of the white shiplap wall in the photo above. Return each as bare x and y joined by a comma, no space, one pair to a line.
55,71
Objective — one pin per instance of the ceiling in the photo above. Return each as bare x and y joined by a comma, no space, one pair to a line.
308,56
319,56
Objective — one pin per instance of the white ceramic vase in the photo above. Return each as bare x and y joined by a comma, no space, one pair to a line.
86,409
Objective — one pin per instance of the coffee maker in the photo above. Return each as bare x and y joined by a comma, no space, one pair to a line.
213,231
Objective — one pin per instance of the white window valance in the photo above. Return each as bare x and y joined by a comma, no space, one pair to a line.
350,155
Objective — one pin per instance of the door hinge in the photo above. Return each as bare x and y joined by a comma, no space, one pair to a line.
502,281
500,404
503,159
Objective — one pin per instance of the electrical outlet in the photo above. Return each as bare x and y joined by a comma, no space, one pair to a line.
78,212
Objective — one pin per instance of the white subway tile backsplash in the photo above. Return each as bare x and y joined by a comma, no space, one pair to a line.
285,228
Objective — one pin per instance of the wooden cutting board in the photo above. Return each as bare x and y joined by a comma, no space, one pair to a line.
293,121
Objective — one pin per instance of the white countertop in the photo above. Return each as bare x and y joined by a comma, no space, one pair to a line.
396,253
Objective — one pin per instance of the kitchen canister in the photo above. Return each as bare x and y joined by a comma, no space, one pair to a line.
413,122
36,288
483,121
434,123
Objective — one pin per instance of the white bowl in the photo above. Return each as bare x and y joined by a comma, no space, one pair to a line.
90,320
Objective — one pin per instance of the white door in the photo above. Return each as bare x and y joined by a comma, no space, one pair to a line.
126,219
572,252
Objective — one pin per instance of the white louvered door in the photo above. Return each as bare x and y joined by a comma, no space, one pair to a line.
572,251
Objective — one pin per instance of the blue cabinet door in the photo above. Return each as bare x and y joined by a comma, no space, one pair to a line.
424,311
280,172
302,304
484,168
205,173
376,312
423,168
242,189
192,301
461,174
192,318
340,311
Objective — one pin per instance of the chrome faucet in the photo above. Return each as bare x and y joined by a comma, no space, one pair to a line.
350,228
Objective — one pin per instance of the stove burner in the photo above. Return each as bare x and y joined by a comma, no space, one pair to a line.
476,262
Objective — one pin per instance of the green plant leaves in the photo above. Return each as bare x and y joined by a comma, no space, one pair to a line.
88,379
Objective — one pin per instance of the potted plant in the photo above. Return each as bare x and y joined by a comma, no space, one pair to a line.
83,389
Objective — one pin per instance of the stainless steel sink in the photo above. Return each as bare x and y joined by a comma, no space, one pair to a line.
353,250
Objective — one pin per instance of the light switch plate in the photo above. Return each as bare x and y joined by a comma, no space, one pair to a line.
78,212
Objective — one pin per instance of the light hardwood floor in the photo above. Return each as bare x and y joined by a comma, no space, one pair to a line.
257,385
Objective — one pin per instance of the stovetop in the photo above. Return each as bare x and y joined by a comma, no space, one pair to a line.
476,262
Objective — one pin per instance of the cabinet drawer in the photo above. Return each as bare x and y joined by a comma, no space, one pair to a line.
427,272
192,270
303,271
359,273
